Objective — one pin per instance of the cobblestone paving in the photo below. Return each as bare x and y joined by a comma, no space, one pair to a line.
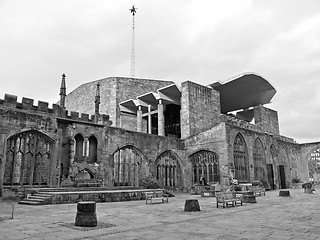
272,217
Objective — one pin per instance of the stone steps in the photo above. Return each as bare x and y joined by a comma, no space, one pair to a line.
37,199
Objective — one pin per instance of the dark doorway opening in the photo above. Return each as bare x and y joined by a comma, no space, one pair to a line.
271,176
282,177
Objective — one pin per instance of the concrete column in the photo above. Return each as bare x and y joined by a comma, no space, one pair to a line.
139,119
160,119
149,120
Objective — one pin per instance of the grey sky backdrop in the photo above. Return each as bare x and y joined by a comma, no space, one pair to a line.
202,41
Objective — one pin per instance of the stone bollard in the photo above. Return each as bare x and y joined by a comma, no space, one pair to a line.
191,205
284,193
86,214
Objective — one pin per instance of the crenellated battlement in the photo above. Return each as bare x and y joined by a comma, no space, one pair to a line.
83,117
10,102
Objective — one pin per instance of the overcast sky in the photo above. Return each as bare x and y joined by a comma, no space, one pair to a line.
178,40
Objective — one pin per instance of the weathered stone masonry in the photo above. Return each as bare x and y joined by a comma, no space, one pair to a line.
42,146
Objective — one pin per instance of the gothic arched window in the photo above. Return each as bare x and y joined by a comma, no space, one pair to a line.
28,158
241,161
205,164
259,160
168,170
127,163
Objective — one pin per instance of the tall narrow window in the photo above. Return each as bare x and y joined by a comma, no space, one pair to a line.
241,161
93,147
79,153
259,160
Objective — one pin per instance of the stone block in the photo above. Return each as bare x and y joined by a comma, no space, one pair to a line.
84,219
43,106
86,214
10,99
86,207
191,205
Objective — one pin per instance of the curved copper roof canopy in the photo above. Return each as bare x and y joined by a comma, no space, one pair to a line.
244,91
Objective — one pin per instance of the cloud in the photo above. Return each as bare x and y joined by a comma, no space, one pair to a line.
178,40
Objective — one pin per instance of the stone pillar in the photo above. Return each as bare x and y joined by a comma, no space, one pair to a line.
86,214
160,118
149,120
72,150
139,119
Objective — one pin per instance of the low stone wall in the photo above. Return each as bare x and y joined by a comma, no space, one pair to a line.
100,196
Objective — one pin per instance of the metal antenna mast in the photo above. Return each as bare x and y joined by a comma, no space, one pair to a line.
133,10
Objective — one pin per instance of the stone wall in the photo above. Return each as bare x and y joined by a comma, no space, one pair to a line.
289,149
267,119
18,117
113,90
151,146
306,150
200,108
213,139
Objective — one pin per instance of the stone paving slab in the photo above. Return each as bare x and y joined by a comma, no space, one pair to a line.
272,217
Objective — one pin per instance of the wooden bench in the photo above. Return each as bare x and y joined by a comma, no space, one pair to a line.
228,198
257,190
156,197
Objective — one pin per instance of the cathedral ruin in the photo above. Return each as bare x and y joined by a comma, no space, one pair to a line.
117,130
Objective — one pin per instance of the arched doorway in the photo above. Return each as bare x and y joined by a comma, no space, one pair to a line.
127,163
168,170
28,158
205,164
241,160
283,169
271,166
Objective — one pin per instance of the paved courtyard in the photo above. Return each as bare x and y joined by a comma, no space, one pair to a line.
272,217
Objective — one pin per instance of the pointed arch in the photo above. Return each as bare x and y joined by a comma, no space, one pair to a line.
272,168
127,162
259,161
205,164
283,169
313,159
79,148
168,170
241,159
28,156
93,149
